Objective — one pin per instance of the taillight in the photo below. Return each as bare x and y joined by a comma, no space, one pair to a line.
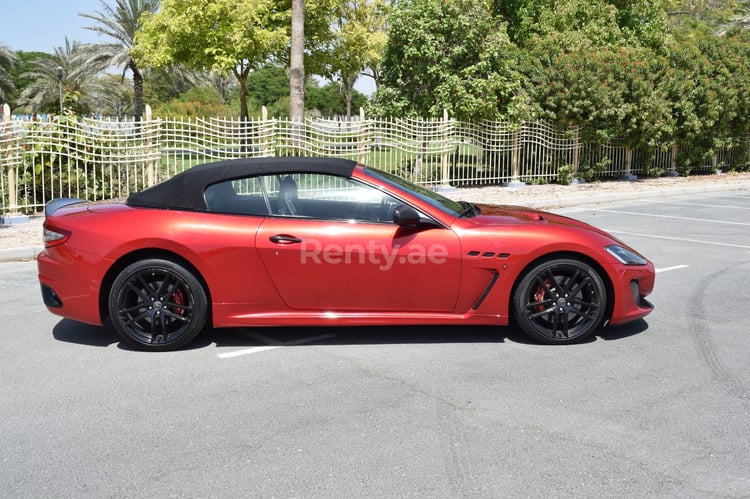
54,237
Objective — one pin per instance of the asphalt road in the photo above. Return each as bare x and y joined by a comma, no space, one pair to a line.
658,408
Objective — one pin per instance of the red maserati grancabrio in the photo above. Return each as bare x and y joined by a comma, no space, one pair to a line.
311,241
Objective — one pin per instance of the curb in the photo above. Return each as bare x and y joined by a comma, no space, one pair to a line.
583,201
20,254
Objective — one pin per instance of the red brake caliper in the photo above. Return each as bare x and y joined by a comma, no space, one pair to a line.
178,298
539,295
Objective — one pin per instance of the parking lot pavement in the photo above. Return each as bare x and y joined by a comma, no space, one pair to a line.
657,408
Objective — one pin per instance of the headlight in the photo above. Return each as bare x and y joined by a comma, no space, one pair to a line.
625,256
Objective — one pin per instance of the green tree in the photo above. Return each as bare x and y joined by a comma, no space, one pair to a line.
112,96
359,39
200,101
120,22
611,94
581,24
449,55
643,22
705,16
24,64
161,85
218,35
331,100
267,85
710,92
7,61
49,74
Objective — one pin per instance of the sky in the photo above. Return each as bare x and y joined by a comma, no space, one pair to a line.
42,25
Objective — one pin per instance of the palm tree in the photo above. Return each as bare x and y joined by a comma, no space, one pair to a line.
53,76
7,60
120,23
114,97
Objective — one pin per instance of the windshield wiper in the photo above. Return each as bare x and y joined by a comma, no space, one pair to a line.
468,209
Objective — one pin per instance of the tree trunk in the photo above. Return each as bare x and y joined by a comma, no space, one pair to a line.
244,113
297,62
137,91
348,89
242,75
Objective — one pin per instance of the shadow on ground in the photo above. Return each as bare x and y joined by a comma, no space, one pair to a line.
74,332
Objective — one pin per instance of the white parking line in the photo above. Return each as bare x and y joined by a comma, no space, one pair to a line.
618,212
246,351
703,205
674,267
273,344
681,239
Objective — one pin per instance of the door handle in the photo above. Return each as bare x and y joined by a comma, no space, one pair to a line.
284,239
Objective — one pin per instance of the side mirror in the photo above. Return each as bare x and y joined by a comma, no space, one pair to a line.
405,216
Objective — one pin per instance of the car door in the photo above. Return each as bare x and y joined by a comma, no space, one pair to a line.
331,245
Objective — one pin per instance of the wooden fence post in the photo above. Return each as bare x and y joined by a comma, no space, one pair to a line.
444,154
672,172
12,193
13,216
576,152
12,196
362,139
149,144
628,166
266,133
515,168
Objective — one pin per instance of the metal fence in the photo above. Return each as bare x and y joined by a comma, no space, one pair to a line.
103,159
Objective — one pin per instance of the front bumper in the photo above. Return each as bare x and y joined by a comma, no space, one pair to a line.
631,286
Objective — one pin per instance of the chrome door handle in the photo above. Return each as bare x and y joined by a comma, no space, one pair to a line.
284,239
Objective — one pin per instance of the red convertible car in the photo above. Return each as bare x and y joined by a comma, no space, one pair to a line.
311,241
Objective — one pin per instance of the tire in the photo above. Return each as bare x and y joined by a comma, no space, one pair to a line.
157,305
560,301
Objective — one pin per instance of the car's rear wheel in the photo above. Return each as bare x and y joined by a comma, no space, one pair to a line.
560,301
157,305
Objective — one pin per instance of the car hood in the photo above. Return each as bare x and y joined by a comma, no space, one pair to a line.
493,215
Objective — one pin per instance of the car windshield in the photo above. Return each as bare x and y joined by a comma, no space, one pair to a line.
440,202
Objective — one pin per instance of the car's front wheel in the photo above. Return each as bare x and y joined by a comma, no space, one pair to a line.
157,305
562,300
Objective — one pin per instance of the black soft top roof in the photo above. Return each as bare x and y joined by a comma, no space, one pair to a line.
184,191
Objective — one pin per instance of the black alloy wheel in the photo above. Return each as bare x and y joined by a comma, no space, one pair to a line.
560,301
157,305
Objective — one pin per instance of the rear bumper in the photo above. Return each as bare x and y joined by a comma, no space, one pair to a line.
67,290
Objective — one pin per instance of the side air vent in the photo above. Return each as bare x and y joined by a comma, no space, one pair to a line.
488,254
